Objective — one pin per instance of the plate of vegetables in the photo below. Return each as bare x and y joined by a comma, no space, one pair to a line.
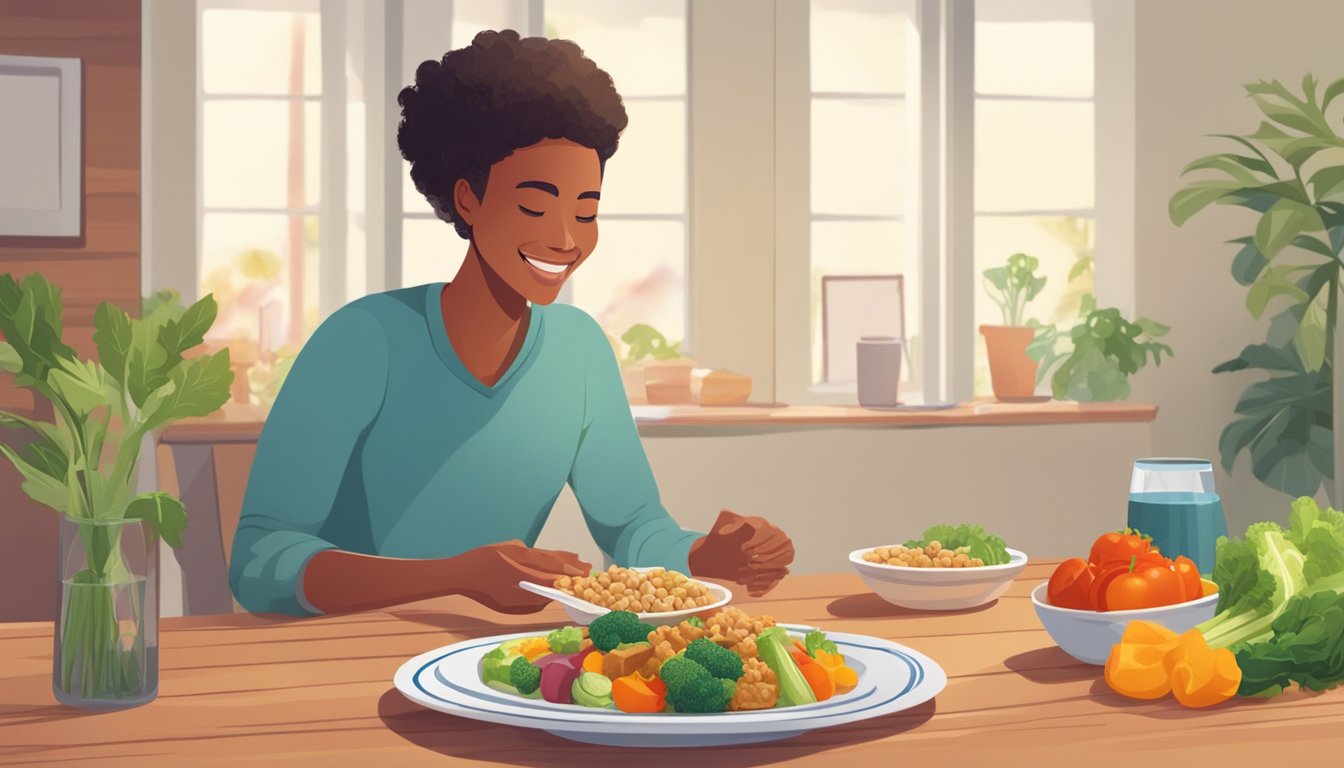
727,678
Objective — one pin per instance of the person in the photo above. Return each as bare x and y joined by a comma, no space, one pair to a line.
423,434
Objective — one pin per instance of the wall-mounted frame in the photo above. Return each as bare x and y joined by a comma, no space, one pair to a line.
41,163
853,306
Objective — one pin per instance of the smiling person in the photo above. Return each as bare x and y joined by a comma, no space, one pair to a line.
423,434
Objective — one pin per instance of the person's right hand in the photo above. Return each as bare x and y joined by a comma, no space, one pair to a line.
490,574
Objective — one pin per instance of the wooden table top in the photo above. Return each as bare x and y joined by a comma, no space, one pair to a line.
319,691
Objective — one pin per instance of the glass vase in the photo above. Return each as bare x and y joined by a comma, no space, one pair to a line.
107,628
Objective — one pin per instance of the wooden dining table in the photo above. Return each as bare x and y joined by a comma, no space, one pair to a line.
268,690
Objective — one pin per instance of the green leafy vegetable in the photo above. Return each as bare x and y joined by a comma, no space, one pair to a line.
1281,609
1256,576
565,640
816,640
495,664
978,542
1307,648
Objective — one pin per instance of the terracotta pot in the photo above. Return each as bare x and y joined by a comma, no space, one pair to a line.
668,382
1011,371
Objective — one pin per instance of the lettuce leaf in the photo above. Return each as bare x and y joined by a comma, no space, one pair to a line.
979,543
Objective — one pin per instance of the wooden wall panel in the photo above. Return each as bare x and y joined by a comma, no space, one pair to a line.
102,263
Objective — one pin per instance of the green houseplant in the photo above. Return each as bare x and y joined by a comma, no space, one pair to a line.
1012,286
1290,173
1094,362
83,465
656,366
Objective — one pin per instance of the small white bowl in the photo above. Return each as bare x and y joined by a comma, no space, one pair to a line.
938,589
1088,635
583,612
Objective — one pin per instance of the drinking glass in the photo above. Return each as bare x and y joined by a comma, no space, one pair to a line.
1173,501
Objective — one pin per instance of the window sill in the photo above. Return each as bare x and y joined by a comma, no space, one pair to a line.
980,413
237,423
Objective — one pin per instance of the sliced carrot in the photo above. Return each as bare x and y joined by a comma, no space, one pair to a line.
593,662
817,676
633,694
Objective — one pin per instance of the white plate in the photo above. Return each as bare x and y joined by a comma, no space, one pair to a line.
892,678
583,612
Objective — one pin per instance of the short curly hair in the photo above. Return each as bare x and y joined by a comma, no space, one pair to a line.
478,104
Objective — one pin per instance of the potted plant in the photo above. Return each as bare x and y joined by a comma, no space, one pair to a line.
83,465
666,373
1012,372
1100,354
1290,173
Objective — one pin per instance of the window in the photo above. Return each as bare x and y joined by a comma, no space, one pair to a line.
1035,155
858,208
260,182
305,203
431,250
890,85
638,272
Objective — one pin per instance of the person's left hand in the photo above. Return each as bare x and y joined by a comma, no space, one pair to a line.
747,550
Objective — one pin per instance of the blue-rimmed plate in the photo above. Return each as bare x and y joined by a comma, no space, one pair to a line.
892,678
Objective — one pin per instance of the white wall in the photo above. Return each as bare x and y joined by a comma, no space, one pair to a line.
1048,490
1193,58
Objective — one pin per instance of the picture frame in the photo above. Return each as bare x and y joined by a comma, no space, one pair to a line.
41,153
853,306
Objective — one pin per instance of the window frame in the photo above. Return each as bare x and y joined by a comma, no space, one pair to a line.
331,206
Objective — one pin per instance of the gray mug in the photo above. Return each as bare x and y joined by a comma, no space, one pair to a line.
879,370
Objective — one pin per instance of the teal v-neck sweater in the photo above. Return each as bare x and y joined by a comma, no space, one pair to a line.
382,442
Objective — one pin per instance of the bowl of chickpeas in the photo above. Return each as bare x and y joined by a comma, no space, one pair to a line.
934,578
658,595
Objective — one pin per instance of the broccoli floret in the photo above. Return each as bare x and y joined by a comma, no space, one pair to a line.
525,676
721,662
691,688
695,621
611,629
565,640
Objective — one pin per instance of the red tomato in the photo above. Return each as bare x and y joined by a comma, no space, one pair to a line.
1189,574
1145,585
1070,584
1114,569
1119,545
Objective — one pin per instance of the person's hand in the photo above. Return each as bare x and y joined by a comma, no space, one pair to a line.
747,550
490,574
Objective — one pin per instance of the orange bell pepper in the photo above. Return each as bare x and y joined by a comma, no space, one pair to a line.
1139,666
1201,676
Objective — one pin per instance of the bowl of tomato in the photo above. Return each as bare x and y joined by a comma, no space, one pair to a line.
1086,604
